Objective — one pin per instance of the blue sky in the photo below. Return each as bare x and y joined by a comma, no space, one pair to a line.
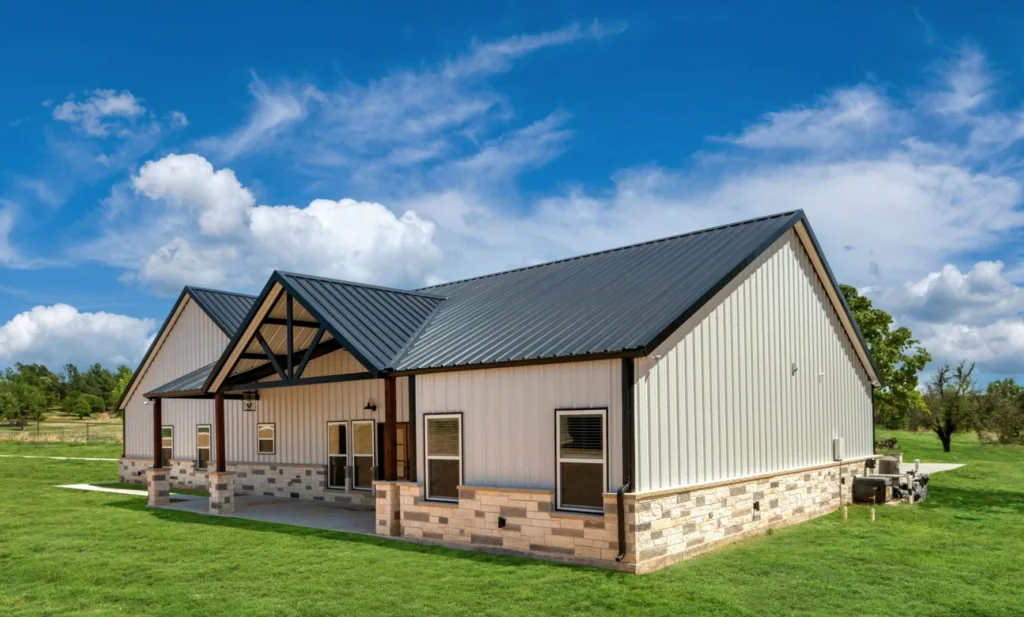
142,149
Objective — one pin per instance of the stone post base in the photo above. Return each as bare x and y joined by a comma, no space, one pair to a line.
388,508
222,492
158,483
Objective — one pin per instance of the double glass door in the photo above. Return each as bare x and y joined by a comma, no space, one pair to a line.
350,458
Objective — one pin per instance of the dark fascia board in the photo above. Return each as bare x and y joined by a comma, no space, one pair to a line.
842,299
298,297
609,355
152,347
797,216
279,278
206,309
260,299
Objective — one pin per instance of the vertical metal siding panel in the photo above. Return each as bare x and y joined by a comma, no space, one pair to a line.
194,340
523,399
721,402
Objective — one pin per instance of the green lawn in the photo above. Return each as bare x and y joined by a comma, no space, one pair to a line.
65,552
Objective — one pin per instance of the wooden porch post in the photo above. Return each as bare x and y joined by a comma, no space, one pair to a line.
390,430
218,431
158,435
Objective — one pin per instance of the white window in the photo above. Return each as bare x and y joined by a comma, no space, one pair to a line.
582,449
202,446
266,438
166,445
444,456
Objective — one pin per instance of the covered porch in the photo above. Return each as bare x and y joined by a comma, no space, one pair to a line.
299,512
311,364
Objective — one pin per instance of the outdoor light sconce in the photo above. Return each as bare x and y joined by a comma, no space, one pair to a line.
249,400
371,405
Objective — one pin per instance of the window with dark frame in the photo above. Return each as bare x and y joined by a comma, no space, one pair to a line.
202,446
337,455
582,451
266,438
166,445
444,456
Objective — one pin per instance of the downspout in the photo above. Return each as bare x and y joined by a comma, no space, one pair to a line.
628,442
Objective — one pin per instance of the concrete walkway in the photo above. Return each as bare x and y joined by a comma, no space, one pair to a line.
930,468
301,512
57,458
121,491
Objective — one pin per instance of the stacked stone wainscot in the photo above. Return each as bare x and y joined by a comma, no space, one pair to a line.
662,527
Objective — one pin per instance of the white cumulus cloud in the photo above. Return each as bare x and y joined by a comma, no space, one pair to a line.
218,199
57,334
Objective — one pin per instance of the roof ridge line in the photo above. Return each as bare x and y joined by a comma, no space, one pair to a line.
219,291
618,248
411,292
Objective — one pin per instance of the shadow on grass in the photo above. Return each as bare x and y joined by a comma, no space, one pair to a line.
481,554
977,499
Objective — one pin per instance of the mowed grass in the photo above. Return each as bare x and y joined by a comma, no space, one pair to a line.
64,552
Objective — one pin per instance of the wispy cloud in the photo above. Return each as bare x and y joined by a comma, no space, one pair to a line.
101,113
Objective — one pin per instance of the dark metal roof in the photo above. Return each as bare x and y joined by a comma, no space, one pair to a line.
374,323
622,300
188,383
226,309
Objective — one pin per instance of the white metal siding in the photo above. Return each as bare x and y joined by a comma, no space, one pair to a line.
301,413
193,340
508,419
721,401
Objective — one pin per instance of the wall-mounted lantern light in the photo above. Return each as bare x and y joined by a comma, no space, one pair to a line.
249,399
371,405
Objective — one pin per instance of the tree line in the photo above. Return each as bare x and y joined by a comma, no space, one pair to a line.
951,400
29,391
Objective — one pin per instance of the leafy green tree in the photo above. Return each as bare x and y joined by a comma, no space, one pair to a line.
952,401
79,407
897,355
1002,411
23,402
124,375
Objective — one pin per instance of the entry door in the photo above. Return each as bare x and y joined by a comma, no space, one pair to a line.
363,440
337,455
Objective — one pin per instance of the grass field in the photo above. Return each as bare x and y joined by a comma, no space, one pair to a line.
62,427
64,552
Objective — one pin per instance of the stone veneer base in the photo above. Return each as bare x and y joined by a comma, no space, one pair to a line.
265,479
662,527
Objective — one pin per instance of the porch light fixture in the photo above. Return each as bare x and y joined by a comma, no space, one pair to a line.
249,400
371,405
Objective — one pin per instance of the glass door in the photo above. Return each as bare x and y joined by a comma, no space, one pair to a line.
363,439
337,455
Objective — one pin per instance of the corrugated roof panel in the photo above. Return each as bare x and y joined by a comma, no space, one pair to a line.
373,322
228,310
190,382
612,301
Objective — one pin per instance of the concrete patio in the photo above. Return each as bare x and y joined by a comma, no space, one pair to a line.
300,512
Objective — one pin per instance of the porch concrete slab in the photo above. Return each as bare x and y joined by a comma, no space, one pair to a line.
930,468
300,512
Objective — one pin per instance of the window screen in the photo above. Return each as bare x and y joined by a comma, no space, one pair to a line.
444,456
581,460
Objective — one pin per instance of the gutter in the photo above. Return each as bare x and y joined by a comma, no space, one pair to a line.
628,446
